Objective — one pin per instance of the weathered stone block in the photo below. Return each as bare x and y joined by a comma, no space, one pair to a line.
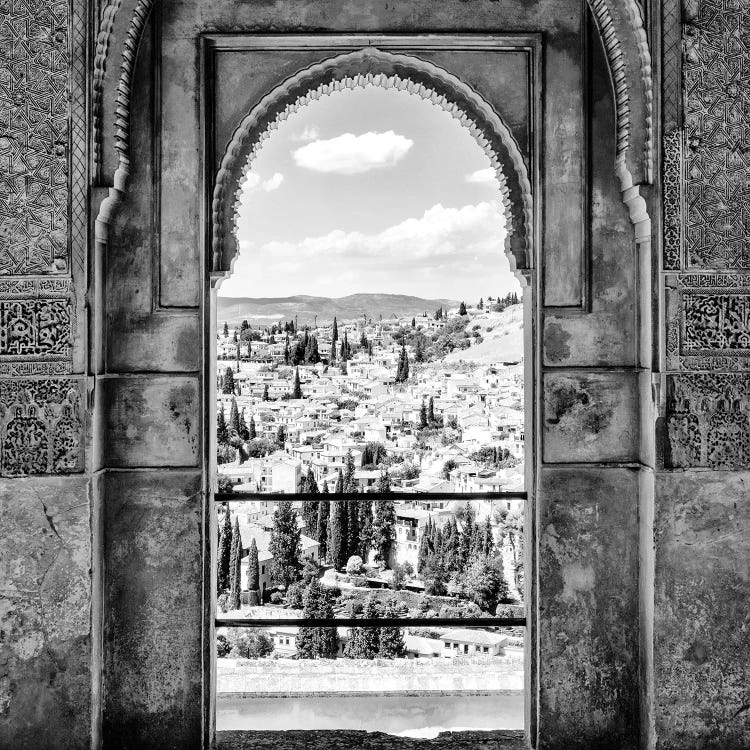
590,416
154,613
161,342
151,421
588,608
45,622
702,619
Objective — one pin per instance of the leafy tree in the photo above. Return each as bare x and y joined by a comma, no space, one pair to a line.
373,453
384,482
281,435
235,567
322,526
225,551
483,582
462,309
448,467
253,574
337,535
248,643
228,381
419,351
222,431
383,530
285,545
295,595
391,645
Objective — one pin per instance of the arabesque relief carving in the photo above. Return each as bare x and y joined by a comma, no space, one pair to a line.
40,427
36,324
708,322
708,421
717,130
34,136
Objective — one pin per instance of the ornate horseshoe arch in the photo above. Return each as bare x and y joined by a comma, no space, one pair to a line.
360,69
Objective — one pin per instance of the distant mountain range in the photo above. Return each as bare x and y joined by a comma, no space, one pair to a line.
267,310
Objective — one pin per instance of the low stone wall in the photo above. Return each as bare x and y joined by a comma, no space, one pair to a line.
263,677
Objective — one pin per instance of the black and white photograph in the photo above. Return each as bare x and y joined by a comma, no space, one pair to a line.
374,375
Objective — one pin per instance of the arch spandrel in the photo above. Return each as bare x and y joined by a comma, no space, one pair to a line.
374,67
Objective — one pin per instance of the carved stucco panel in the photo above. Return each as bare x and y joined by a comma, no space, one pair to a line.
708,421
716,70
708,322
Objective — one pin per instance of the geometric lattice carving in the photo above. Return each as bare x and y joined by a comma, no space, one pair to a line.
708,322
34,136
708,421
36,322
40,427
672,199
716,70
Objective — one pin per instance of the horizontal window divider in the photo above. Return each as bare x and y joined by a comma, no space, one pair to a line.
383,622
228,497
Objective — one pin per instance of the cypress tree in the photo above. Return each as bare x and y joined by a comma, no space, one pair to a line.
337,537
488,541
462,309
423,415
364,523
370,636
340,484
310,517
332,355
265,392
281,435
244,431
424,546
413,322
402,371
234,419
350,483
222,432
383,530
253,571
297,389
317,643
252,433
228,381
431,410
226,330
335,333
352,528
235,567
285,545
322,525
391,644
287,353
225,551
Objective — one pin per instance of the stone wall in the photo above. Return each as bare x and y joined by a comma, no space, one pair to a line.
702,574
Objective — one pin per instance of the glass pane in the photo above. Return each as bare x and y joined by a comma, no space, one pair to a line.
370,558
409,681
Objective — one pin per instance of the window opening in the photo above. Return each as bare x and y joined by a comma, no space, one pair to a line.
370,430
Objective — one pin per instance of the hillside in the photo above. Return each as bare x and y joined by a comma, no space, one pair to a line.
267,310
502,334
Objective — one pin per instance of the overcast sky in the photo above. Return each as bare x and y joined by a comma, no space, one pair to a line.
371,190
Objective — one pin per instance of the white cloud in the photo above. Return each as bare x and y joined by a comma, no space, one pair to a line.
353,154
482,175
310,133
444,252
273,182
446,235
